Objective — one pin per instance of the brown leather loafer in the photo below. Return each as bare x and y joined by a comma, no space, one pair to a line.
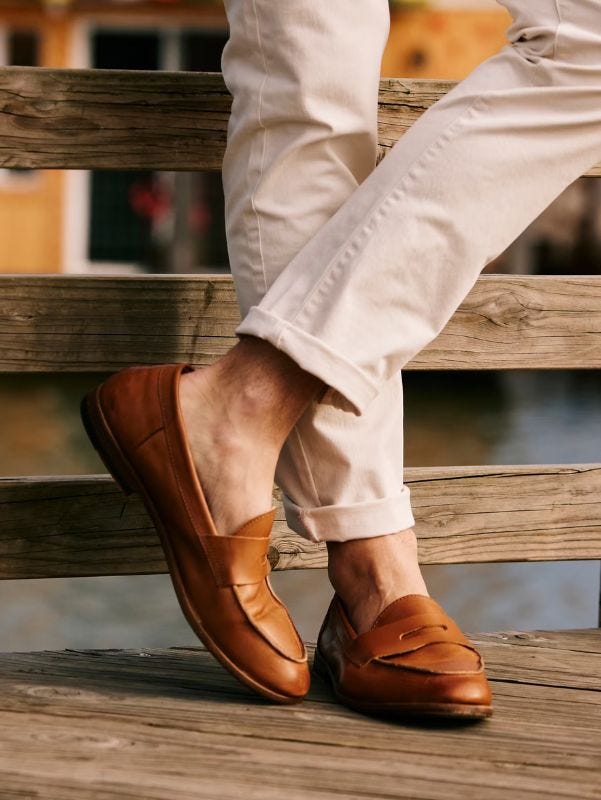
134,421
413,661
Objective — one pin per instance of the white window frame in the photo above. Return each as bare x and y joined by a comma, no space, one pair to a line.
76,216
3,45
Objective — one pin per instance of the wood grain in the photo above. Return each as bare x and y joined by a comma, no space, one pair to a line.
84,119
98,324
111,119
159,724
67,527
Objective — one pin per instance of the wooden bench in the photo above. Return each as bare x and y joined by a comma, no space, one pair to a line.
172,723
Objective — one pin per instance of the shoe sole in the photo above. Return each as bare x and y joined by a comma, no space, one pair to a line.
124,474
456,711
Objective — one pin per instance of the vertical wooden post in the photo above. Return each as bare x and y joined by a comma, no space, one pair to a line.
599,619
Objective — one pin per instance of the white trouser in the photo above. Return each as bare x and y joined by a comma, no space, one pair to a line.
352,270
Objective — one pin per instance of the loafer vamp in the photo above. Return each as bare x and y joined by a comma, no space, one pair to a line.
247,619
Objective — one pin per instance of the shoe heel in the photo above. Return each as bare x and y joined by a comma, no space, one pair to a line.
103,443
319,667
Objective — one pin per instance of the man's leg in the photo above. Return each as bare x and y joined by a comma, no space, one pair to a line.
302,136
383,276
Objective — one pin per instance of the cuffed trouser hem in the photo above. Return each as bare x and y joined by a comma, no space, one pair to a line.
358,521
312,355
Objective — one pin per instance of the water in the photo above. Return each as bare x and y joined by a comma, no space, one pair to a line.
450,418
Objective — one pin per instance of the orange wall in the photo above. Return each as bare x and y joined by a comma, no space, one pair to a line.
442,44
31,220
31,207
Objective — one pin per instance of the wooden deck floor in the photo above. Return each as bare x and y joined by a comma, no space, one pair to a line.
171,724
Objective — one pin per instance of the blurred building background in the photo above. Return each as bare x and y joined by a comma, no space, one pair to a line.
136,222
131,221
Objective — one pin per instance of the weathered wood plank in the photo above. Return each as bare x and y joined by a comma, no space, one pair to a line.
66,323
111,119
585,640
83,119
165,723
67,527
547,658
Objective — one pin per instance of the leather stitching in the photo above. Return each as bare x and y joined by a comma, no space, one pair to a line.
172,463
169,450
265,636
396,640
252,521
148,437
222,550
430,602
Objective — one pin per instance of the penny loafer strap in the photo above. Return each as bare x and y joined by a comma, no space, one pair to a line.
405,636
237,560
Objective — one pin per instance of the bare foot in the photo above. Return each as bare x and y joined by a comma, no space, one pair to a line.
237,414
369,574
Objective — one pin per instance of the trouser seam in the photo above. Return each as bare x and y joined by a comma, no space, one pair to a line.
264,144
368,222
557,29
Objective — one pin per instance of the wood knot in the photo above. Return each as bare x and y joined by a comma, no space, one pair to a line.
43,105
505,310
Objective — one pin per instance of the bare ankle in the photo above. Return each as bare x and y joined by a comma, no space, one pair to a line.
368,574
269,381
256,391
368,554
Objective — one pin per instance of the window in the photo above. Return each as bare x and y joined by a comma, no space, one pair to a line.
22,49
201,50
156,222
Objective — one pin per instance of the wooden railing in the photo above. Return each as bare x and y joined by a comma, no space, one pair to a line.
84,526
172,723
113,119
